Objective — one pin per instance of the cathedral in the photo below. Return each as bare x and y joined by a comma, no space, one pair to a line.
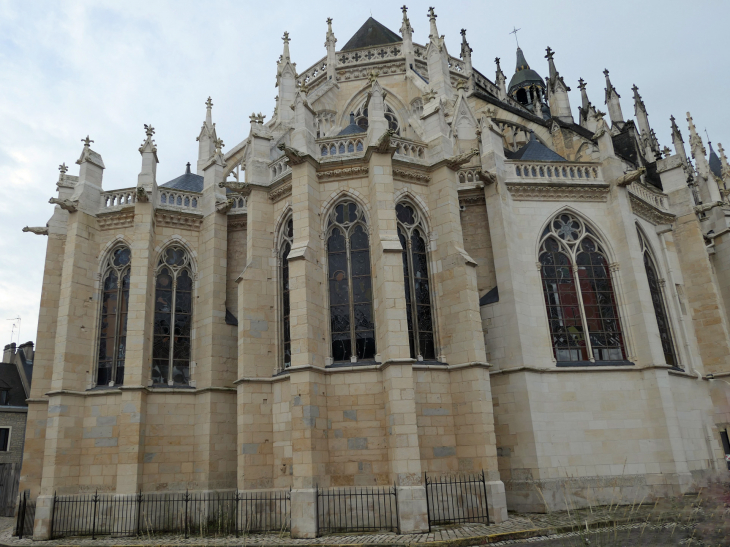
410,269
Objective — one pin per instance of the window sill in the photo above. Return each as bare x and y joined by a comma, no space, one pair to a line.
168,386
105,388
623,363
344,364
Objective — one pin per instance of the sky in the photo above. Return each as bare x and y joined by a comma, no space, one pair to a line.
104,69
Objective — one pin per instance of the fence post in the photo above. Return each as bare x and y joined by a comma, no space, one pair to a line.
93,525
139,510
235,516
397,516
185,524
53,513
486,501
20,525
316,509
428,505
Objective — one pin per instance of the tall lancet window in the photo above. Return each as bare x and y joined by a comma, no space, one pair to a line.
413,238
350,284
173,318
113,326
657,299
581,305
287,235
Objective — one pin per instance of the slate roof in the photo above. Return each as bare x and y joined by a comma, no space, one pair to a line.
715,163
490,297
372,34
524,74
10,380
534,150
351,129
189,182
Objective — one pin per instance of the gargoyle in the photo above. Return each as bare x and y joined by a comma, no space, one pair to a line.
142,196
38,230
224,206
243,188
295,157
630,177
383,144
454,162
65,204
486,177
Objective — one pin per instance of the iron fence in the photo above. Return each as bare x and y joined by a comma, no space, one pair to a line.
26,516
456,498
357,509
198,514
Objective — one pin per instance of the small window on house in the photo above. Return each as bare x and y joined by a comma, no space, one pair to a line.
4,397
4,439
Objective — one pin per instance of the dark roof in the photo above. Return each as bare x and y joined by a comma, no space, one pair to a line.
351,129
189,182
372,34
715,163
27,363
10,380
230,318
524,74
534,150
624,144
490,297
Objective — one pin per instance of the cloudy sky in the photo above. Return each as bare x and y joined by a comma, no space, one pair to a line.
68,69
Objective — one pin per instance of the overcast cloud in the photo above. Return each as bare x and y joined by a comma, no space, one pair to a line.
68,69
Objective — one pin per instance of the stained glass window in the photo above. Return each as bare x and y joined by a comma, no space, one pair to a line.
171,345
657,299
581,305
413,238
352,326
113,320
284,249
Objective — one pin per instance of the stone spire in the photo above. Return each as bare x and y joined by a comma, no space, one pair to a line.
406,30
87,191
147,178
648,139
466,53
678,142
709,190
501,80
557,92
725,173
286,81
206,138
587,117
438,61
329,43
612,101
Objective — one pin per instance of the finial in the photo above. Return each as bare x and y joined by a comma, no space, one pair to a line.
581,84
635,89
286,37
515,31
63,168
496,60
605,72
149,130
431,13
209,103
708,136
219,144
329,21
550,53
667,152
463,32
87,142
404,9
187,168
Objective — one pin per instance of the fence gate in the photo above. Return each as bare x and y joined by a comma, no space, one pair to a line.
456,499
357,509
9,479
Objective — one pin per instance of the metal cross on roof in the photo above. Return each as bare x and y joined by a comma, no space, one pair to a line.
515,31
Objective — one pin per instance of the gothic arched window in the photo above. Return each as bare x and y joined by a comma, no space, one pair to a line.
350,285
113,326
171,353
581,306
657,299
413,238
287,235
361,118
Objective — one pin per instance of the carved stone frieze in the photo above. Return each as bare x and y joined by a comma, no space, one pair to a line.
411,176
119,219
550,192
237,223
178,220
358,73
651,214
358,171
471,200
280,193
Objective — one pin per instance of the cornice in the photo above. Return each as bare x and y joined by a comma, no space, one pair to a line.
409,175
558,192
649,213
118,219
280,192
178,220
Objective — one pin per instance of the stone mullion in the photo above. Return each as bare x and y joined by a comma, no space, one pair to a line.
626,333
583,318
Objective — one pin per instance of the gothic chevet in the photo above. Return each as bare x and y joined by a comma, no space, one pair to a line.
407,267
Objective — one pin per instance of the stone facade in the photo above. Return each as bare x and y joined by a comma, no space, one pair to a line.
611,394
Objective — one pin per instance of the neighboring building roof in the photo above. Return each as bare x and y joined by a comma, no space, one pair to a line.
351,129
490,297
189,182
10,380
534,150
524,75
715,163
372,34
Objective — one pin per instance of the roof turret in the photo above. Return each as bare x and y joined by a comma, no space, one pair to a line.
524,76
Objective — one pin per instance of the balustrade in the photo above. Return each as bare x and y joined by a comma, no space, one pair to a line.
652,197
340,146
178,199
279,167
405,149
556,171
118,198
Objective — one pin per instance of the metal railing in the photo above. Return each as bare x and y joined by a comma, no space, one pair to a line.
357,509
456,498
26,517
199,514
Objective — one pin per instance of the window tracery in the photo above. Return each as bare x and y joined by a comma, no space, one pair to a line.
657,299
352,326
361,118
413,237
285,243
581,305
171,348
113,320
